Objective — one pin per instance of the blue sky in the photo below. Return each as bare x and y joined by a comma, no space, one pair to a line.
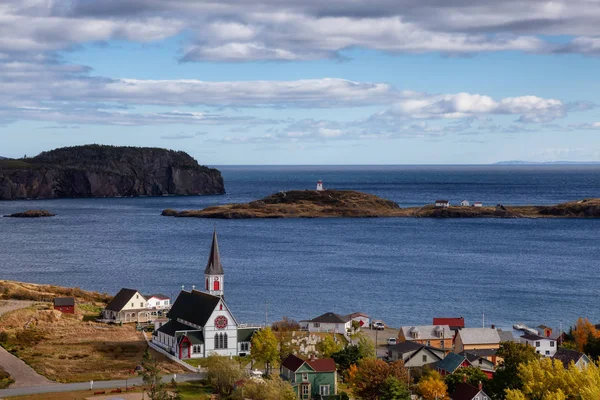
281,82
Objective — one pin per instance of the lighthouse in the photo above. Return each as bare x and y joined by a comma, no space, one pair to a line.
320,186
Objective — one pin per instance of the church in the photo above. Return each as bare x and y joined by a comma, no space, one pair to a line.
200,323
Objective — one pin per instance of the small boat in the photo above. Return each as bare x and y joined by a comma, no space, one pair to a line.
519,327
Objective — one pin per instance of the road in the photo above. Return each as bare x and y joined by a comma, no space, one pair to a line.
98,385
22,373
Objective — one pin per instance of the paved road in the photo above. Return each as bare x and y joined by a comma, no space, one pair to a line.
22,373
98,385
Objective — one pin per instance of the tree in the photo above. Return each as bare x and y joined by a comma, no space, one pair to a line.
222,373
328,346
285,325
507,373
265,348
393,389
346,357
432,387
474,376
367,378
153,384
582,332
547,379
366,347
269,389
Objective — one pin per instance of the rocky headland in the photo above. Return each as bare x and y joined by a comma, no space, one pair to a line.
106,171
353,204
31,214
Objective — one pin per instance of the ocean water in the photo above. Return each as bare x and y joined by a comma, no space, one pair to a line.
404,271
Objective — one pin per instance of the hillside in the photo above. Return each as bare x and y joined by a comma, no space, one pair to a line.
302,204
106,171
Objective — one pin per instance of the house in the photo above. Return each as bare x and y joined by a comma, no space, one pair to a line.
464,391
478,204
481,361
65,305
465,203
328,322
361,318
200,323
455,324
506,336
320,186
158,301
543,345
544,331
414,354
451,363
571,356
313,378
439,336
127,306
476,339
442,203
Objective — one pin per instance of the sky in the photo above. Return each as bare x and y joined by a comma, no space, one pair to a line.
305,82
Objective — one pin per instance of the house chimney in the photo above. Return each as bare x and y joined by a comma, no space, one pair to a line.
493,326
312,357
480,386
464,378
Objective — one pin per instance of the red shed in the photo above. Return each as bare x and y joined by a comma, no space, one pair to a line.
65,305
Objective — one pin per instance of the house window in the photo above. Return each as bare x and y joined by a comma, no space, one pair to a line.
324,390
480,361
424,358
547,352
137,296
551,343
132,305
537,344
316,325
304,376
141,305
429,343
442,344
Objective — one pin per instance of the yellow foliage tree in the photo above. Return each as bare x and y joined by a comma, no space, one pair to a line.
583,330
548,379
432,387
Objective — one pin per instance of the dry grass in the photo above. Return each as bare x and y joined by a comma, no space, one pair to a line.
64,348
30,291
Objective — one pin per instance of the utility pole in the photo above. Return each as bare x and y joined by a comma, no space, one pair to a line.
483,320
266,313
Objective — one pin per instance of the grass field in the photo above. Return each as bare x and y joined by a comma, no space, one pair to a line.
70,348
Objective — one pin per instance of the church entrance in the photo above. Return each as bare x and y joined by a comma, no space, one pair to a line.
185,348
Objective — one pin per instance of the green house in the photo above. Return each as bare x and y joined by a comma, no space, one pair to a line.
311,379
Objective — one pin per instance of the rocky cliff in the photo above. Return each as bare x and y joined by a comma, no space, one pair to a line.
106,171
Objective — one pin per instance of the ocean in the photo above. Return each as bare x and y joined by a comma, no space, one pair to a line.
404,271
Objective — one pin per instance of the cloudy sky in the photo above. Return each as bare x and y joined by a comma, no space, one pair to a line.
305,82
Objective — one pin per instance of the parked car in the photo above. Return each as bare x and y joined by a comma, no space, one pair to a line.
391,341
378,325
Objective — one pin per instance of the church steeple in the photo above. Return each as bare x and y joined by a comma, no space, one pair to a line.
214,269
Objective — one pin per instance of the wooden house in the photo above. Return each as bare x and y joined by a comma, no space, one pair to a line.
127,306
439,336
65,305
442,203
311,379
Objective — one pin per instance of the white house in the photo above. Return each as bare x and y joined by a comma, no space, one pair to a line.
328,322
567,357
442,203
478,204
158,301
361,318
465,203
320,186
127,306
543,345
201,324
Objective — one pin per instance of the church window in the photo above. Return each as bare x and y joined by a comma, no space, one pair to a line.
221,341
206,283
221,307
216,285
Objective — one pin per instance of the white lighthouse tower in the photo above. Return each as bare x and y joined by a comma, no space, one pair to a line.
320,186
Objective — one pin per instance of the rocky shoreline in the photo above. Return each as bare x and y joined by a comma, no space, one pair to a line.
31,214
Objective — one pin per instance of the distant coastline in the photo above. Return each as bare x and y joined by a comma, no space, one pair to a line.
517,162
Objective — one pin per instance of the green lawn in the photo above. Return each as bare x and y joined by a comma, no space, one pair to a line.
194,390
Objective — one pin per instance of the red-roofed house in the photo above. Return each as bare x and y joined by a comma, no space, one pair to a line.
314,378
454,323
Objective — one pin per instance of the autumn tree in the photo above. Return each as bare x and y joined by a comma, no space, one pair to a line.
269,389
285,325
433,387
222,373
265,348
368,378
507,373
474,376
393,389
328,346
584,330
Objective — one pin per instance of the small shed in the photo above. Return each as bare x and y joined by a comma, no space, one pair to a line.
65,305
478,204
465,203
442,203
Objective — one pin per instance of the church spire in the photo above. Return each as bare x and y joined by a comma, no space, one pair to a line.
213,273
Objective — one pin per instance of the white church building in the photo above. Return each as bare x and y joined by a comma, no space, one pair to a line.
200,323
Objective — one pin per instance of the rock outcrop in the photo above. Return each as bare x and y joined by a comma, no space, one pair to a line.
32,214
106,171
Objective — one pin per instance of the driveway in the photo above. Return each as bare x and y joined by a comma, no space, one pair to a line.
22,373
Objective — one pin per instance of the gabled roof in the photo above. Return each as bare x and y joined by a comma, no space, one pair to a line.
452,322
214,267
451,362
121,299
482,352
356,314
566,356
157,296
529,336
171,327
331,318
64,301
427,332
479,336
293,363
442,201
195,307
245,334
506,336
543,327
194,337
405,347
464,391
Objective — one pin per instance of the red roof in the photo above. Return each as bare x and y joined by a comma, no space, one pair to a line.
322,364
458,322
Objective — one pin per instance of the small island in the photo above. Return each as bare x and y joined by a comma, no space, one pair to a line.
31,214
354,204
